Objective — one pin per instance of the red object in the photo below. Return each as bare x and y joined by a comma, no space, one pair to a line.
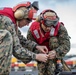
40,37
8,12
26,4
30,64
14,65
69,62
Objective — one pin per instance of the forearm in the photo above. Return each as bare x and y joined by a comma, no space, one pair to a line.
17,49
20,52
64,42
23,54
30,37
26,43
62,50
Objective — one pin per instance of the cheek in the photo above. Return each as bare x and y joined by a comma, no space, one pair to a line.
26,23
43,27
21,24
47,29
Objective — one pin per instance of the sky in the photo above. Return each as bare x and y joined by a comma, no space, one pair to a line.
65,9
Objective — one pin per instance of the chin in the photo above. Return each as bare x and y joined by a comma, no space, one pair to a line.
46,31
20,26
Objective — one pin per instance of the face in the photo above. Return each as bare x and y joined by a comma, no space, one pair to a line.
23,23
45,28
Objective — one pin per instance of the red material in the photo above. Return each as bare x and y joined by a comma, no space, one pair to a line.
69,62
9,13
44,11
26,4
14,65
30,64
44,38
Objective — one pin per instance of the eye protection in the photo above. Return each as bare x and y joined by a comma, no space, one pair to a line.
49,22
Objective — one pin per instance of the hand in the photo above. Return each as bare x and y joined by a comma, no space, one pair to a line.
42,49
52,54
42,57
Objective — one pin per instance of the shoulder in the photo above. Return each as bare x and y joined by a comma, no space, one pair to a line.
61,23
34,25
62,27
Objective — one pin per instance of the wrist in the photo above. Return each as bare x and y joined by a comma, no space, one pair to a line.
34,56
35,47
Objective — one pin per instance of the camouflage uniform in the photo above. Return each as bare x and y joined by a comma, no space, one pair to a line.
10,44
59,43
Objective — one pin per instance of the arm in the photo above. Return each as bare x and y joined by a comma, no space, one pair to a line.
60,44
26,43
64,42
31,44
17,49
30,37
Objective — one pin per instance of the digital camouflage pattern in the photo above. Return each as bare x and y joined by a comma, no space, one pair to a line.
30,45
59,43
5,52
10,44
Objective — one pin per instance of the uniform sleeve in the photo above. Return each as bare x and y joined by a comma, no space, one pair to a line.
18,51
30,36
63,41
26,43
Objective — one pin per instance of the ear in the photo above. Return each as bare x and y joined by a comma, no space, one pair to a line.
39,18
19,14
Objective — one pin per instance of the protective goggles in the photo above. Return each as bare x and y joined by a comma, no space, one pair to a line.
49,22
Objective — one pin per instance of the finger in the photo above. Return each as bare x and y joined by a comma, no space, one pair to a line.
47,56
45,60
52,57
46,49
